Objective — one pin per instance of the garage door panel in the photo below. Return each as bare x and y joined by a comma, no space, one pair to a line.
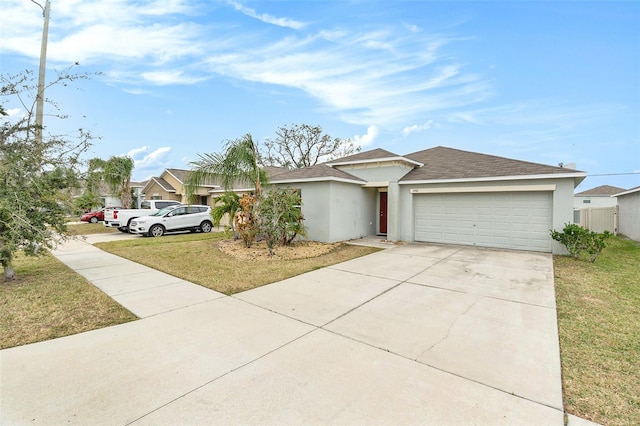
503,220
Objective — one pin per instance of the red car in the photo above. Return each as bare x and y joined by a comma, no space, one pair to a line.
95,217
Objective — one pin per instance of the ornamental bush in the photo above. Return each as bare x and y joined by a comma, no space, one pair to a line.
578,239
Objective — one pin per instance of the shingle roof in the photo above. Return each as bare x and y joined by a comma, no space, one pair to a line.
629,191
273,171
367,155
440,163
164,184
603,190
138,184
448,163
319,171
180,174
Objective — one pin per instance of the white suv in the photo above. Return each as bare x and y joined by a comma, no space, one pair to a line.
173,218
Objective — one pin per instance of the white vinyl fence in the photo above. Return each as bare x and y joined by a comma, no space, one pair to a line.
598,219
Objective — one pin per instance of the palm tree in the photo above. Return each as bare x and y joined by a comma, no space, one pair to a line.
226,204
239,163
117,175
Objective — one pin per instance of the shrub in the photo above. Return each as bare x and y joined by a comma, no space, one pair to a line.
578,239
279,217
245,220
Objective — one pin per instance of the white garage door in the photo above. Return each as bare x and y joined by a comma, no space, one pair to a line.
514,220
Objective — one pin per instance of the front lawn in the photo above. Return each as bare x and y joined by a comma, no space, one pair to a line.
84,228
599,324
49,300
197,258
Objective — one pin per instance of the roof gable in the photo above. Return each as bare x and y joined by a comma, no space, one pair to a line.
441,163
374,154
318,172
162,183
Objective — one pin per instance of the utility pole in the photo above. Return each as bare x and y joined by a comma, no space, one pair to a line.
41,74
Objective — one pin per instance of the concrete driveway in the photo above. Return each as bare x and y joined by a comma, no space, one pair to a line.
415,334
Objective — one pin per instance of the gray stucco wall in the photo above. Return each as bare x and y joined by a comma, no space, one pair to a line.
562,204
336,211
376,174
353,211
629,215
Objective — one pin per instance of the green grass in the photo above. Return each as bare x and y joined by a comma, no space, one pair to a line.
196,258
599,324
90,228
49,300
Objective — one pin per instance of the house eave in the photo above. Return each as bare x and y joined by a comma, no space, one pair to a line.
381,184
220,190
580,176
318,179
153,180
630,191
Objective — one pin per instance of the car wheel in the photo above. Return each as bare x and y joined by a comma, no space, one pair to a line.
206,226
156,231
123,229
93,220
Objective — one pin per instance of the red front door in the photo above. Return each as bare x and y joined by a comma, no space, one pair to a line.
383,212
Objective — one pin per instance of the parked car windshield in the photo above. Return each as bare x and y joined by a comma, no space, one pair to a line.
164,211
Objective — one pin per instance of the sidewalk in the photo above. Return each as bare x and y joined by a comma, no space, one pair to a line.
142,290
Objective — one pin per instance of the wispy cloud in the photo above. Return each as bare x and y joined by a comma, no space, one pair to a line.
381,77
170,77
417,128
534,111
383,74
264,17
128,37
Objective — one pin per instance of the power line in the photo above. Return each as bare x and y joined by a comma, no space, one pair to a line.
615,174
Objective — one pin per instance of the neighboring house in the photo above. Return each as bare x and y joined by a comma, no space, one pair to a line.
439,195
106,199
170,186
596,197
136,189
629,213
596,209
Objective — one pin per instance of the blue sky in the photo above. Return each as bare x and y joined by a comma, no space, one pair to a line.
547,82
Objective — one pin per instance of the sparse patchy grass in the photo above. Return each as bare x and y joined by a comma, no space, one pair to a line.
197,258
49,300
89,228
599,324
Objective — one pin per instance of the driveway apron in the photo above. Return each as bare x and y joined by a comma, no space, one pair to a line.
414,334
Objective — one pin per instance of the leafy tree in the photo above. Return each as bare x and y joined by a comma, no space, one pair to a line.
116,172
226,204
240,163
303,145
279,218
35,176
87,201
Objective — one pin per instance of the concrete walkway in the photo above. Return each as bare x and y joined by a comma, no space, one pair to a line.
415,334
